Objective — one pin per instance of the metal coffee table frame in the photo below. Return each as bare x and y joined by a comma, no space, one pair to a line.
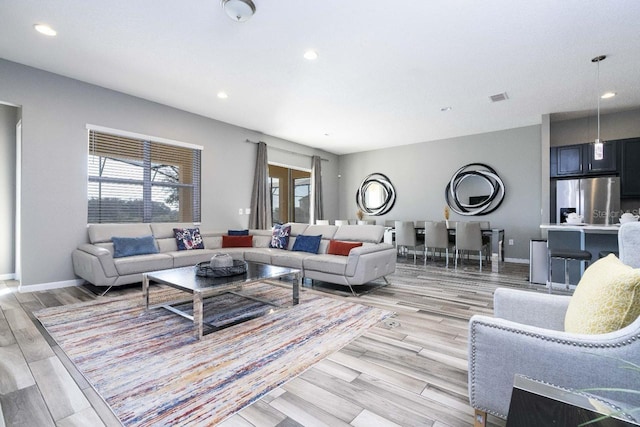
185,279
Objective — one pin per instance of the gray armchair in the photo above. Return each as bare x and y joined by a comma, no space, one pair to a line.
526,336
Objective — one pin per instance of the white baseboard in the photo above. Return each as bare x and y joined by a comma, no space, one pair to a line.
10,276
51,285
517,260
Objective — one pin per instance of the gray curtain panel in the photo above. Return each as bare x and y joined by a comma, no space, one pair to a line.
316,189
260,217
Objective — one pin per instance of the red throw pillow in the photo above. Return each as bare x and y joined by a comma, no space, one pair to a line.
237,241
337,247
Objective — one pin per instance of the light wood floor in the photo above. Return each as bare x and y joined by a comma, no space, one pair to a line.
410,371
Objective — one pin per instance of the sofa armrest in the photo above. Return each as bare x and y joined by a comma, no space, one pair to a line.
531,308
370,262
499,349
104,257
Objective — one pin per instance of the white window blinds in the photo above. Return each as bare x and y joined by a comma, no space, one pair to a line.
137,180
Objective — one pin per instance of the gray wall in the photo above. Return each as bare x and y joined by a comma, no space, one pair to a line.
8,121
55,112
420,173
612,126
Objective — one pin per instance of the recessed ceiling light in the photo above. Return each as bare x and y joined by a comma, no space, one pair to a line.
45,29
445,109
608,95
311,55
223,95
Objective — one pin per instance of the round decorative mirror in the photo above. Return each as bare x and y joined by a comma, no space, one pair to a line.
376,195
475,189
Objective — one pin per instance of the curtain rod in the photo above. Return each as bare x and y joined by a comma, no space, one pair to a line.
286,151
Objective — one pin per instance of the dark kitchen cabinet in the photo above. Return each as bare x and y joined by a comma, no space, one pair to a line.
629,167
569,160
577,160
608,162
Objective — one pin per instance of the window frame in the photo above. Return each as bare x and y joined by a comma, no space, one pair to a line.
151,150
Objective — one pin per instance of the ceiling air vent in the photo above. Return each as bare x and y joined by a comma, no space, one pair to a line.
499,97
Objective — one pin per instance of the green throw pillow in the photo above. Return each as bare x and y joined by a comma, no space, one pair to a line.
606,299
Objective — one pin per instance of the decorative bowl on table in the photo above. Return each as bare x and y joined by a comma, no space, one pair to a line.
204,269
574,219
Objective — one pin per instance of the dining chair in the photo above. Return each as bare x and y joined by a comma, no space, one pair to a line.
469,238
436,236
406,237
322,222
342,222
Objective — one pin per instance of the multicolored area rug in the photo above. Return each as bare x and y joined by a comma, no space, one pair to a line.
150,369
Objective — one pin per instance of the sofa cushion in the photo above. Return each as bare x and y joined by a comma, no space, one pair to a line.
606,299
237,232
101,233
280,236
142,263
289,258
186,258
188,238
261,255
360,233
327,231
332,264
128,246
306,243
237,241
338,247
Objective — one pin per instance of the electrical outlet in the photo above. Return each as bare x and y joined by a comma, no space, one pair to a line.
247,211
510,242
240,211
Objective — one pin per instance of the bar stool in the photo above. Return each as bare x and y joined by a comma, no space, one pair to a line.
566,255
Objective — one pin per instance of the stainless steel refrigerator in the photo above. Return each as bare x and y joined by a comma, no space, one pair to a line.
596,199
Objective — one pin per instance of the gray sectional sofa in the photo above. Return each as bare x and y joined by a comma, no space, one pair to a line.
94,261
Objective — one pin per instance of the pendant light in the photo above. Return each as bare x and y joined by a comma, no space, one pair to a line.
598,145
239,10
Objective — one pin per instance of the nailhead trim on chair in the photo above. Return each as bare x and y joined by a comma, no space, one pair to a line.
622,343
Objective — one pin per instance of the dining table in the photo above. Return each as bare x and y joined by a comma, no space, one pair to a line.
495,236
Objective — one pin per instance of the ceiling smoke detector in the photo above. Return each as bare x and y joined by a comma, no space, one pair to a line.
499,97
239,10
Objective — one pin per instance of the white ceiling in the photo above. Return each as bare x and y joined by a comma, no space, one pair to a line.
385,69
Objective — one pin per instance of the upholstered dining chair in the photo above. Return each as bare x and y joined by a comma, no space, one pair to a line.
341,222
469,238
583,341
436,236
406,237
322,222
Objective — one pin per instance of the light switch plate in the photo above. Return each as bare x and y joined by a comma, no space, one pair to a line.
247,211
240,211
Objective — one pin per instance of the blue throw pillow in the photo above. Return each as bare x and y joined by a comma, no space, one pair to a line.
128,246
309,244
237,232
280,236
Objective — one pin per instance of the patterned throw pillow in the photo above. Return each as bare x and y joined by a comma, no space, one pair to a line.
309,244
606,299
188,238
280,236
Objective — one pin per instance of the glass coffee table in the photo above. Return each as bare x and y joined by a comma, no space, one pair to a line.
185,279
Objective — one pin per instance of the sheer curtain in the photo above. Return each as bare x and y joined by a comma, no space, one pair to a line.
260,217
316,189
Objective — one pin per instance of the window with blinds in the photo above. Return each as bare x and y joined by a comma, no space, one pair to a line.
136,180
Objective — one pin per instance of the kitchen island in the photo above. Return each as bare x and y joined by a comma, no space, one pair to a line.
597,239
